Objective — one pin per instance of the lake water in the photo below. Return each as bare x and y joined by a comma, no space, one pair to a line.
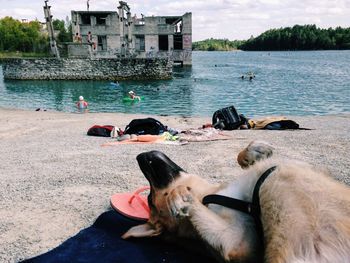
285,83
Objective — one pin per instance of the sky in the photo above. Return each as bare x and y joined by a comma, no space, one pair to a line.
230,19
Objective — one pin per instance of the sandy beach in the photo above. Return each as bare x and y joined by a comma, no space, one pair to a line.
56,180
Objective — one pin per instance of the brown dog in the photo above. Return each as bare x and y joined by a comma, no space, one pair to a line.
304,213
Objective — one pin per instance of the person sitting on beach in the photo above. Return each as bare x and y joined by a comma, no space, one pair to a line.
133,95
81,104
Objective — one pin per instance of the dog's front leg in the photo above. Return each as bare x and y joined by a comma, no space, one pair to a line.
228,238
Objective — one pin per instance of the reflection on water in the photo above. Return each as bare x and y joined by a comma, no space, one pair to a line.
288,83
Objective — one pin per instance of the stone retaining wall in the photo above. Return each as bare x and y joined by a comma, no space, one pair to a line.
79,68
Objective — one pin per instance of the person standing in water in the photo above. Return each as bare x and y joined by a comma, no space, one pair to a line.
82,104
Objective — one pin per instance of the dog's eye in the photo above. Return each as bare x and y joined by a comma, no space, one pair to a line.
150,162
165,194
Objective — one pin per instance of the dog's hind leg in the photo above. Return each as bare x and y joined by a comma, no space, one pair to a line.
234,238
255,151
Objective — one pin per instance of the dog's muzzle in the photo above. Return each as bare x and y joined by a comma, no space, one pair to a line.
159,170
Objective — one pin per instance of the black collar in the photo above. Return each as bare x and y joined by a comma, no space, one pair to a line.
250,208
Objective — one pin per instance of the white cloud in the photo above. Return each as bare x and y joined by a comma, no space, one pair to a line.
270,2
24,12
233,19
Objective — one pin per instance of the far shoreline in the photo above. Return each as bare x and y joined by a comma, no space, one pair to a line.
165,115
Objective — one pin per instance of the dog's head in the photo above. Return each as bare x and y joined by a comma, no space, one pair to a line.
160,172
163,176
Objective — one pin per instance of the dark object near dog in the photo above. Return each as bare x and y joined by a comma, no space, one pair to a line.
98,130
275,123
145,126
101,242
282,125
228,119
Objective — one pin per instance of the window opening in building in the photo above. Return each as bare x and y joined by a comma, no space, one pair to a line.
85,19
163,42
140,43
171,20
178,43
101,19
101,43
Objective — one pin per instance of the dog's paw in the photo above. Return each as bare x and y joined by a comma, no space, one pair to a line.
255,151
180,201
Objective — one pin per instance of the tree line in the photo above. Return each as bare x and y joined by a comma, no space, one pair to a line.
17,36
217,45
307,37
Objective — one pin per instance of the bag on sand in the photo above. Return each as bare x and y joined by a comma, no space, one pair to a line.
145,126
98,130
228,119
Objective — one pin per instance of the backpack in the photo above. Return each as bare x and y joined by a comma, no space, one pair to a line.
145,126
98,130
228,119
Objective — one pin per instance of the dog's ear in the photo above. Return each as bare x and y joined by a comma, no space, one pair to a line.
145,230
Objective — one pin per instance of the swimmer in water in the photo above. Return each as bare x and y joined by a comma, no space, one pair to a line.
133,95
82,104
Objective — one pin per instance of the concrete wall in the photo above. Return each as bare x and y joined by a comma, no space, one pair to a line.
77,50
152,26
113,43
94,69
151,43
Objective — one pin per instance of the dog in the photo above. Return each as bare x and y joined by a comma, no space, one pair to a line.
304,213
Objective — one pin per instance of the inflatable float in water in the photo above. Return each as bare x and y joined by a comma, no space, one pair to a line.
128,99
114,84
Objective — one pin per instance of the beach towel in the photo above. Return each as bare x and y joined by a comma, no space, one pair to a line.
165,138
203,135
102,242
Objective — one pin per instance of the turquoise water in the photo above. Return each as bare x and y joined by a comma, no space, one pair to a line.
287,83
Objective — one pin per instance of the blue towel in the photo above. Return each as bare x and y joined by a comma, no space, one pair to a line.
102,242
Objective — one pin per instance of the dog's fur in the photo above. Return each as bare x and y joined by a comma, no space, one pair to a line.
304,212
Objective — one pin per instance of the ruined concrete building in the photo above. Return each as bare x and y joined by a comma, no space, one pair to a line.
119,34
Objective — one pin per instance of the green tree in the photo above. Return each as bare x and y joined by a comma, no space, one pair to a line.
216,45
18,36
307,37
65,30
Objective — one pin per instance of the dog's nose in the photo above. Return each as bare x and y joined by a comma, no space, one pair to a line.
158,168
